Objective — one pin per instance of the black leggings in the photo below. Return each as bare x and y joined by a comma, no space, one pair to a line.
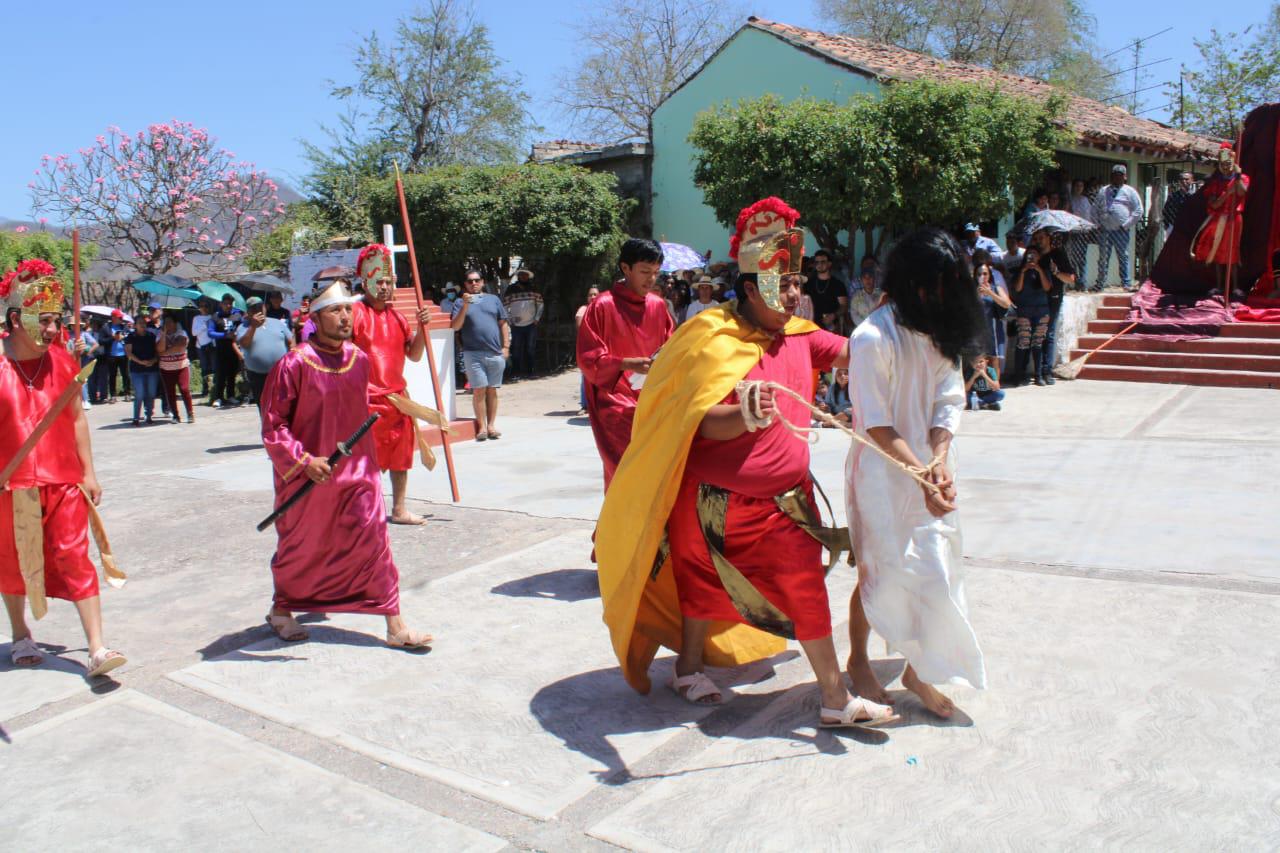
224,383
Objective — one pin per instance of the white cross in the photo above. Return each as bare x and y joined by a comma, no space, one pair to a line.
389,240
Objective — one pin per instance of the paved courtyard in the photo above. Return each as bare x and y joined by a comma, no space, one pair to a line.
1120,546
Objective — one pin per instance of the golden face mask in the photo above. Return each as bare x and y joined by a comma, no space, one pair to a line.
41,296
777,252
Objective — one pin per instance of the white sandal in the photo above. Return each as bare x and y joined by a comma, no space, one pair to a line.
105,660
696,687
859,713
25,649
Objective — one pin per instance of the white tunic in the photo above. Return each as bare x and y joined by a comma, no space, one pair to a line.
909,565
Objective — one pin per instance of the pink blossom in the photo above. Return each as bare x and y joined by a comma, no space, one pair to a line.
44,158
195,230
137,174
21,229
172,235
204,238
195,199
171,159
179,255
249,220
31,185
220,242
205,220
179,215
173,192
75,199
114,129
113,197
99,179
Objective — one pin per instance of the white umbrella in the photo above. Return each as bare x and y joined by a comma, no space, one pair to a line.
103,311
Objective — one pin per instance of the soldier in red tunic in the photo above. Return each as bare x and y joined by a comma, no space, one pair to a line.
1218,240
44,506
383,334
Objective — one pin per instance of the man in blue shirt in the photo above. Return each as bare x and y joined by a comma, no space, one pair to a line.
263,341
486,342
116,362
973,240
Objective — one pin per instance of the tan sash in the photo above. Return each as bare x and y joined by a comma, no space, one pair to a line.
28,536
417,412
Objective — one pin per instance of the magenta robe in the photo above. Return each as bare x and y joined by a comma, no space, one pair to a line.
333,553
617,325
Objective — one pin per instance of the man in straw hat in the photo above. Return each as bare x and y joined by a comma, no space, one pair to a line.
524,311
704,297
333,554
48,504
382,332
711,466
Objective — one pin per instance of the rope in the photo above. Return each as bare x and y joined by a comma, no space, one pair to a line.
749,399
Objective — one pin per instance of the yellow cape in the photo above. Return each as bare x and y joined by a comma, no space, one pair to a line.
698,367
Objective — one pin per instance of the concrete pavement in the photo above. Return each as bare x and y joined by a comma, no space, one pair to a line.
1119,550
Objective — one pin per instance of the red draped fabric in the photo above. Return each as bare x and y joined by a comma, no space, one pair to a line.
384,337
332,553
617,325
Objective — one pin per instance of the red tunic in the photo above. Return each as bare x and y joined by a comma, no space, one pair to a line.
53,467
617,325
782,561
1218,240
384,336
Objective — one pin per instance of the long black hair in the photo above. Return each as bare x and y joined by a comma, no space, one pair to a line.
931,285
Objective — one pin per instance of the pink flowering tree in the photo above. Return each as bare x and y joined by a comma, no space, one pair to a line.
160,196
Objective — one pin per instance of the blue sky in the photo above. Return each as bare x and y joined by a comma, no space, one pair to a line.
256,73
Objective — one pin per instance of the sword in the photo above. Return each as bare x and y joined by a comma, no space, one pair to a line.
71,392
344,449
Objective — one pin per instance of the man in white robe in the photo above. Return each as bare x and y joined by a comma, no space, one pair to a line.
908,395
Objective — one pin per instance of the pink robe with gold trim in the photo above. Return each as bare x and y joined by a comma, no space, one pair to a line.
333,553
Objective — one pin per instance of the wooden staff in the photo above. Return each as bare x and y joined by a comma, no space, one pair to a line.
1231,226
431,355
75,287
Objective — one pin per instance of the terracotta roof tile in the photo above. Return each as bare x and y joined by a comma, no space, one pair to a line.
1095,122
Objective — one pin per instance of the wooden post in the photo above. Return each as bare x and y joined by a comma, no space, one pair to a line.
431,355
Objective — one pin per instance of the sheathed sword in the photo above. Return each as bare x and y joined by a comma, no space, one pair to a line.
71,392
344,449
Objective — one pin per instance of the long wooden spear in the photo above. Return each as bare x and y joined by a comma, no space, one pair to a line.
75,278
431,355
1234,187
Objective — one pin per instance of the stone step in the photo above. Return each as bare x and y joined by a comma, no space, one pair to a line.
1266,331
1181,376
1220,346
1190,361
1117,300
1113,312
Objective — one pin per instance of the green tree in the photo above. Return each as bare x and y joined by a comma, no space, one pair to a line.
1049,39
437,92
16,247
306,228
564,221
1236,72
823,158
921,153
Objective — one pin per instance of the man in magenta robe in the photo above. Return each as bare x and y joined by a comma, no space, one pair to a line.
333,553
620,334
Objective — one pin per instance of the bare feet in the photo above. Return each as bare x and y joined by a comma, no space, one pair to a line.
928,694
286,627
865,683
405,517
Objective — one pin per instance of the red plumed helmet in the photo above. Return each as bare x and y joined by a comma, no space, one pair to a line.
763,212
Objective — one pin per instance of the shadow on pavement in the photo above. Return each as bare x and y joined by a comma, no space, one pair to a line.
584,711
561,585
233,448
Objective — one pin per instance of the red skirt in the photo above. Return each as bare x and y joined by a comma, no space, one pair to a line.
1218,241
393,436
69,574
782,561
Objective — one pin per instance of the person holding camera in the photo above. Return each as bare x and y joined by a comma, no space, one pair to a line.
486,345
1031,297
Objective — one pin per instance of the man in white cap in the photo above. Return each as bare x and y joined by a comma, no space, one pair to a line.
1117,209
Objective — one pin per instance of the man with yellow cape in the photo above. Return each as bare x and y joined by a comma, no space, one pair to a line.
711,469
